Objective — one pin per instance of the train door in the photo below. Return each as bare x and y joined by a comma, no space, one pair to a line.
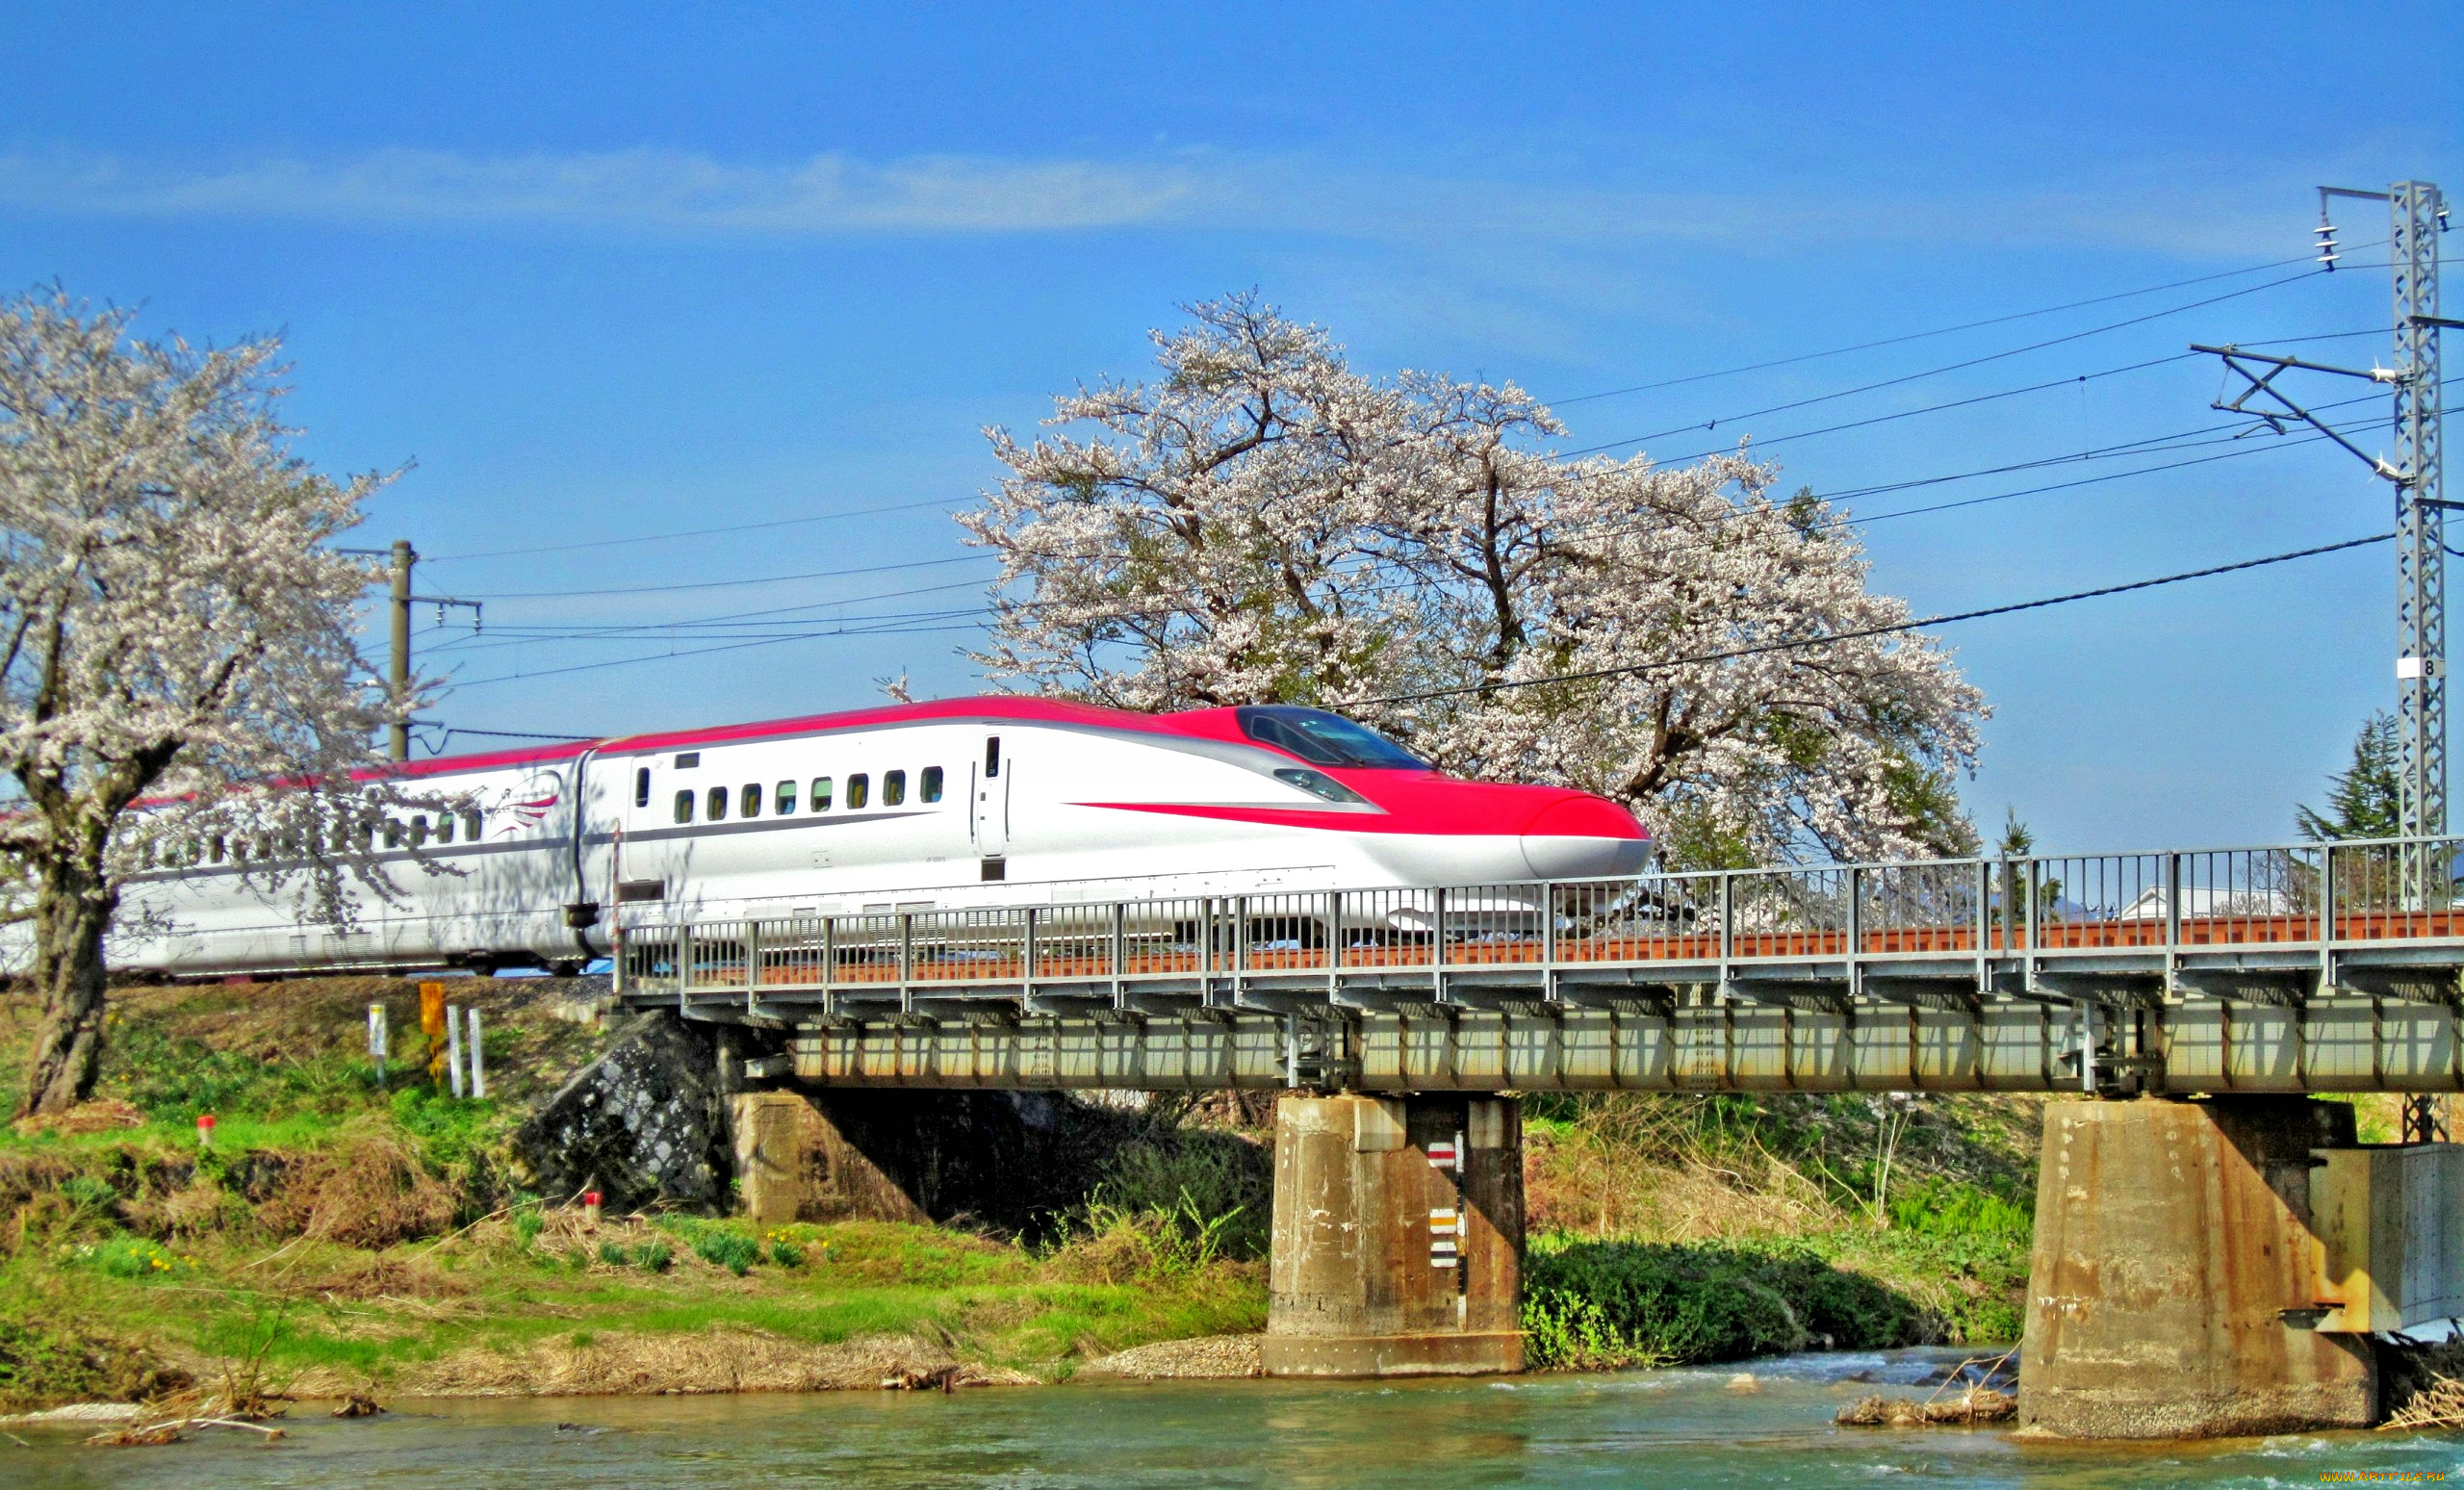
991,807
638,864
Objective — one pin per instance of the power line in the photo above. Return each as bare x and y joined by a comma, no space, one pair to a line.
724,584
690,532
507,734
1954,367
661,656
1802,642
1919,336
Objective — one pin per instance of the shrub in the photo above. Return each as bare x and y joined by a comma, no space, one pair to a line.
1212,1187
1592,1303
615,1255
653,1256
132,1257
733,1251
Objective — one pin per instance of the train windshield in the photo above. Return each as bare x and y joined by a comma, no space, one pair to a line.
1327,739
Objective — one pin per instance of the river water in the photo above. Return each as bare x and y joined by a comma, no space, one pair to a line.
1656,1429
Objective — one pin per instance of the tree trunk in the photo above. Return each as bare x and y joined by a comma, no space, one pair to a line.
71,912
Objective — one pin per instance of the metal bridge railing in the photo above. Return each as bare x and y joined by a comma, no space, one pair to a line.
1721,925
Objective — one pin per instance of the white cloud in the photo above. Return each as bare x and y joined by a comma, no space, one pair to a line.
670,192
656,190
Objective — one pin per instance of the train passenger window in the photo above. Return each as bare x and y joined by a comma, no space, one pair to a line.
470,825
444,827
782,799
642,787
893,788
688,761
367,837
685,806
859,786
751,804
393,832
718,804
991,756
820,794
931,784
419,831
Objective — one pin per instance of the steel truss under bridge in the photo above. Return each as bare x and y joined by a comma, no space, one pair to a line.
2313,968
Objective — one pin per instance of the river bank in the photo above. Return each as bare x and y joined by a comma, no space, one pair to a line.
342,1234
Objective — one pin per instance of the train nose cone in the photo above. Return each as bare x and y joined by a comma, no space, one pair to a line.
1584,837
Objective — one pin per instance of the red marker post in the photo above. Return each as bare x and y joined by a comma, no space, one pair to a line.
590,1209
205,1130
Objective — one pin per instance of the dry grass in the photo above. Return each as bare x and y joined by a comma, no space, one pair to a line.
100,1115
369,1191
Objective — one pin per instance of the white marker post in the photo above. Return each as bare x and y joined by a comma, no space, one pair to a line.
378,1044
453,1046
478,1066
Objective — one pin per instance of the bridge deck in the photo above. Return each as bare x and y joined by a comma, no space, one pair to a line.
2299,968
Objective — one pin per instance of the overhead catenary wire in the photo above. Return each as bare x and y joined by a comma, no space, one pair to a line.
1833,638
1954,367
1921,336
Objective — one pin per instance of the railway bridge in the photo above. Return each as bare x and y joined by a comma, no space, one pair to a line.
2212,1257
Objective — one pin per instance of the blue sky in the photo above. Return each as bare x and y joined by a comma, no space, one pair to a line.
605,273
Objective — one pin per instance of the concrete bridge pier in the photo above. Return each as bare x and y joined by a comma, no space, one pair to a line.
1397,1236
2173,1288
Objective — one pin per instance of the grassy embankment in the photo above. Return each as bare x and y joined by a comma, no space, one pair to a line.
339,1237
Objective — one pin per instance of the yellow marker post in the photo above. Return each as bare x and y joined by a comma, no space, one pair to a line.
432,1024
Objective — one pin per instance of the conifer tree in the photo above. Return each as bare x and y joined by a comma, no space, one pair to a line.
2364,800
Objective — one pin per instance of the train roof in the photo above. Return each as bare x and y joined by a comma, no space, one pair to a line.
1214,723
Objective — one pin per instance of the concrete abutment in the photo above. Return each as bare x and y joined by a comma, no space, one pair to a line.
1397,1236
2173,1286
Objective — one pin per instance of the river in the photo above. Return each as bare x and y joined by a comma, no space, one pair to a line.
1664,1429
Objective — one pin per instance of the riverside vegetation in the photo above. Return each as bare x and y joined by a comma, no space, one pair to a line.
340,1235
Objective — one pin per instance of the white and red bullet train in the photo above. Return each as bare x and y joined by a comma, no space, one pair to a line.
960,803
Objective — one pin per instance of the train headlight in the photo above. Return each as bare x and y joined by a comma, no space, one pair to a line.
1318,784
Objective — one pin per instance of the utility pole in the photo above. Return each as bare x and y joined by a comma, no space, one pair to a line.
2417,214
399,559
397,672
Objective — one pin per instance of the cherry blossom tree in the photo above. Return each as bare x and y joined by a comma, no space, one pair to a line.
1262,523
173,637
